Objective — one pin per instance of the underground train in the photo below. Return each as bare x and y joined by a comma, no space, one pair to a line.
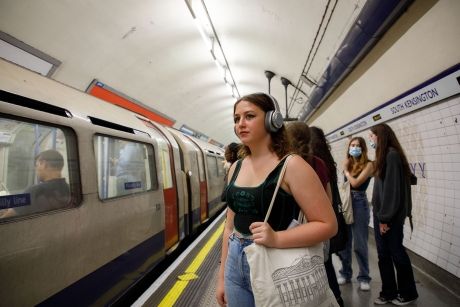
135,190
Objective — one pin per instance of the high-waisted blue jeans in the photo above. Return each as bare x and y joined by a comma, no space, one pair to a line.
238,289
358,234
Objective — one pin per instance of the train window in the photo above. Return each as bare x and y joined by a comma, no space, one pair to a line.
199,158
166,165
38,168
220,166
212,167
124,167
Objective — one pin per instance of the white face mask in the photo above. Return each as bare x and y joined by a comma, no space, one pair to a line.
372,144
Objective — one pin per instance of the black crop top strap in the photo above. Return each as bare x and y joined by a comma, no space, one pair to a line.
236,171
250,204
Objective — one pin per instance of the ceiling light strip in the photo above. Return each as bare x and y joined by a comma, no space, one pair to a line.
208,33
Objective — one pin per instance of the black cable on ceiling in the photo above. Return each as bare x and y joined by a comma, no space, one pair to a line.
296,92
309,53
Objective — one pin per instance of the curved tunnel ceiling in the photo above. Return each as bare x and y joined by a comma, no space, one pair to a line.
375,18
152,52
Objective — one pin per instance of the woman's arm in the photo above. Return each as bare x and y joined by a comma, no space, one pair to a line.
393,186
220,290
302,182
362,177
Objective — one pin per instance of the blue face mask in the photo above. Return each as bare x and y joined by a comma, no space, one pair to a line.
355,151
372,144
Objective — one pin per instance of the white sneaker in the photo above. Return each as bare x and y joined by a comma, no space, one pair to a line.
364,286
381,301
341,280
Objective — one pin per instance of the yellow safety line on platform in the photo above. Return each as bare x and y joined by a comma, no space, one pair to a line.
175,292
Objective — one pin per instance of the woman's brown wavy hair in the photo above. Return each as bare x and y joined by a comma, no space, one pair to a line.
280,142
386,138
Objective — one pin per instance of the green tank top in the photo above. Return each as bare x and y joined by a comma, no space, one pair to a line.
250,204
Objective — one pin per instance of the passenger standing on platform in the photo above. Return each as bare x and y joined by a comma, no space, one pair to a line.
358,170
391,200
300,136
251,184
231,156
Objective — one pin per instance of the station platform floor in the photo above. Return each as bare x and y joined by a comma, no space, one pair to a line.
191,280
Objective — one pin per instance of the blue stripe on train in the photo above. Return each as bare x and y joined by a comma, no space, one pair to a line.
111,280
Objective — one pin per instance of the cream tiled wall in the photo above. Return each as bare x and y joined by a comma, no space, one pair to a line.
431,139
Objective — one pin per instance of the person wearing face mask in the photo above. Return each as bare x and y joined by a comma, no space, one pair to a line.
358,170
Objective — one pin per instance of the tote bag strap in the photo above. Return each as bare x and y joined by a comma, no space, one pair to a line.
280,179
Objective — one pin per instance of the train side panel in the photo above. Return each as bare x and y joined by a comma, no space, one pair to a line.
214,171
116,226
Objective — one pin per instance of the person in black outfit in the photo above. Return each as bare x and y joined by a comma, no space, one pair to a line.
322,150
392,203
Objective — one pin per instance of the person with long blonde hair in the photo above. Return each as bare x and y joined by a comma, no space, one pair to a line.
358,170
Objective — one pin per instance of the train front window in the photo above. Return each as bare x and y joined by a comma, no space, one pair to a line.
123,167
38,168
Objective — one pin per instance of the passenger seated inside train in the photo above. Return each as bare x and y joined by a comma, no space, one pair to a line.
51,191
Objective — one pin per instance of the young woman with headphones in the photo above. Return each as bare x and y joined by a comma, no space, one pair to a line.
251,184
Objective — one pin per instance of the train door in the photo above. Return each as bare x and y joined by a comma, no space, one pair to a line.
190,167
203,180
214,176
203,185
169,186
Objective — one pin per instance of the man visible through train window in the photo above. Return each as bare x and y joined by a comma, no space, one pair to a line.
51,191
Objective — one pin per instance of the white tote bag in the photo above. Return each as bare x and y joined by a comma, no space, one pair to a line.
288,276
347,207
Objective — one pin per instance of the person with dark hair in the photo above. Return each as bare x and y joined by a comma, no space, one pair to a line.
51,191
300,136
251,184
231,155
392,203
358,170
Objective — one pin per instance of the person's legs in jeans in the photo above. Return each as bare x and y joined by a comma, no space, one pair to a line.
238,290
360,229
387,274
404,272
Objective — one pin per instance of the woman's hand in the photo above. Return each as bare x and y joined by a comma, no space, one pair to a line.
220,293
384,228
262,233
